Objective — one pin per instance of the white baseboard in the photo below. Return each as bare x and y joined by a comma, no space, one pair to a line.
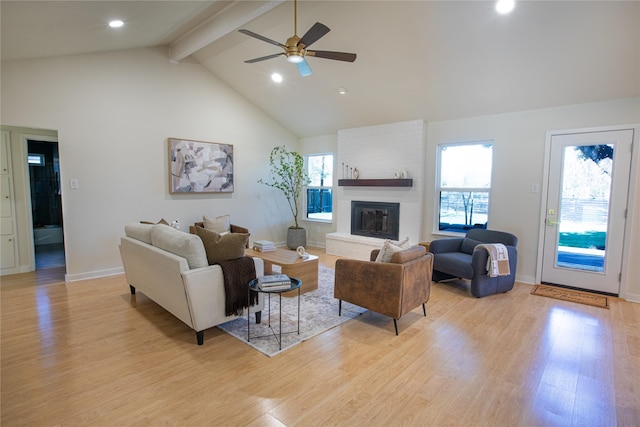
529,280
631,297
9,271
316,244
93,274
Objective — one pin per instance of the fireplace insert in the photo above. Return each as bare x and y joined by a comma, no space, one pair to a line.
375,219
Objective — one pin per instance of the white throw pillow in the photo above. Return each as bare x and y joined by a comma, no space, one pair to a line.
389,248
221,224
404,244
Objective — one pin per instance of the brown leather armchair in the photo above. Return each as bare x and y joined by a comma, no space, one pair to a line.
392,288
234,229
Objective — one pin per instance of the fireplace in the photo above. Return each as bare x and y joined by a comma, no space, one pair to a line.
375,219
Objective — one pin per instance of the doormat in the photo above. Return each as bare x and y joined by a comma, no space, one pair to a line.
571,295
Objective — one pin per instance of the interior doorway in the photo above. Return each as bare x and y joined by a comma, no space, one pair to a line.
46,203
585,213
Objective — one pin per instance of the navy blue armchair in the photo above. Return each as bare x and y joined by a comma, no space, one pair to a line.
457,258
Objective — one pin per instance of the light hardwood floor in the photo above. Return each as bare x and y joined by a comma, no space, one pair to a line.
89,353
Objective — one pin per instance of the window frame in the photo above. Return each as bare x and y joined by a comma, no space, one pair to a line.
439,188
328,186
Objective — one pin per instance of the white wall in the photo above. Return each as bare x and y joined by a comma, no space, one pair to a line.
379,152
519,149
113,113
316,230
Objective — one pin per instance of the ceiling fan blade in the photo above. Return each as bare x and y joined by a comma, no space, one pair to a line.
263,38
263,58
314,34
338,56
304,69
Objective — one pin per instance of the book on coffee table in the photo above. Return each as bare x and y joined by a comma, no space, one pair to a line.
272,280
282,287
264,246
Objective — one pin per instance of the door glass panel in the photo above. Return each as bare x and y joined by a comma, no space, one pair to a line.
584,207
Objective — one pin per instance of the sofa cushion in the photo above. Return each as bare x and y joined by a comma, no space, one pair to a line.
221,224
188,246
468,245
457,264
219,247
139,231
389,248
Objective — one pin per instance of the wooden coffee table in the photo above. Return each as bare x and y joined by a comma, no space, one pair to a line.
292,265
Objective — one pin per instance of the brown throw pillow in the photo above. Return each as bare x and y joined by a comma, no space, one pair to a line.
222,247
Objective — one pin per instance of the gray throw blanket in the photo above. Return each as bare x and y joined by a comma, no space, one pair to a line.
237,275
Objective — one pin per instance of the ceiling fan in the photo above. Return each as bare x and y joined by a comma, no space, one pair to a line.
296,48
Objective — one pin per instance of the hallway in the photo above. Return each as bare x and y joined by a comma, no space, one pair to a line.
50,256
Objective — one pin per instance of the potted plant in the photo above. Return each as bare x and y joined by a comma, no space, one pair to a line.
289,175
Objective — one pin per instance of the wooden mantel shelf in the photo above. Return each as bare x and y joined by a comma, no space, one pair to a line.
375,182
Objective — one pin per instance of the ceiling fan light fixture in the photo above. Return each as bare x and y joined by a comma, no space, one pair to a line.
295,58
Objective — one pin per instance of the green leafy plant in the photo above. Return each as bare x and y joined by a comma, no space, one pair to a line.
288,175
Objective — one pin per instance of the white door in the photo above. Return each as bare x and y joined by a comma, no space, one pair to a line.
8,256
586,209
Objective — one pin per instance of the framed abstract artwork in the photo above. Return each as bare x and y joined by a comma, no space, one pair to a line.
200,167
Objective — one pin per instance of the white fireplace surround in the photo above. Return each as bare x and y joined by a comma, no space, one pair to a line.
379,152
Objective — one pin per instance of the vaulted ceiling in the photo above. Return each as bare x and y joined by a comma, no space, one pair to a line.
431,60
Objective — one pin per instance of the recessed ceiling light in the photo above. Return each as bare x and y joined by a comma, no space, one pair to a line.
343,90
116,23
504,7
276,77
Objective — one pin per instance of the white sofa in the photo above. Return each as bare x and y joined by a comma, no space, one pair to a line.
170,267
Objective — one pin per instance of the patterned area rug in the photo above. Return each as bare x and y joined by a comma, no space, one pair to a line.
318,313
571,295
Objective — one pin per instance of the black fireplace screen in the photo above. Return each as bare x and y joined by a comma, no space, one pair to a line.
375,219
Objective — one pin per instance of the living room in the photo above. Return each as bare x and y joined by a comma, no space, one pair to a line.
112,113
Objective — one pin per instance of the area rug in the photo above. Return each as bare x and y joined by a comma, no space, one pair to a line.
571,295
318,314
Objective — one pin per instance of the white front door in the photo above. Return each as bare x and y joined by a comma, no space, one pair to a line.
586,209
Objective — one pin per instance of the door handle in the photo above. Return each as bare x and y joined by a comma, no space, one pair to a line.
551,222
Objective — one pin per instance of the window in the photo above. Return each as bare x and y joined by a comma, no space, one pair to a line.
35,159
319,191
464,184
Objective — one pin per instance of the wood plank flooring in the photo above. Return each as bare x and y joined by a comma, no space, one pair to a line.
89,353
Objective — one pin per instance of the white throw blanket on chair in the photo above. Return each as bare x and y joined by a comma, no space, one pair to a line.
498,261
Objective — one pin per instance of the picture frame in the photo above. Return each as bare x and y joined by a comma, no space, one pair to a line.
200,167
